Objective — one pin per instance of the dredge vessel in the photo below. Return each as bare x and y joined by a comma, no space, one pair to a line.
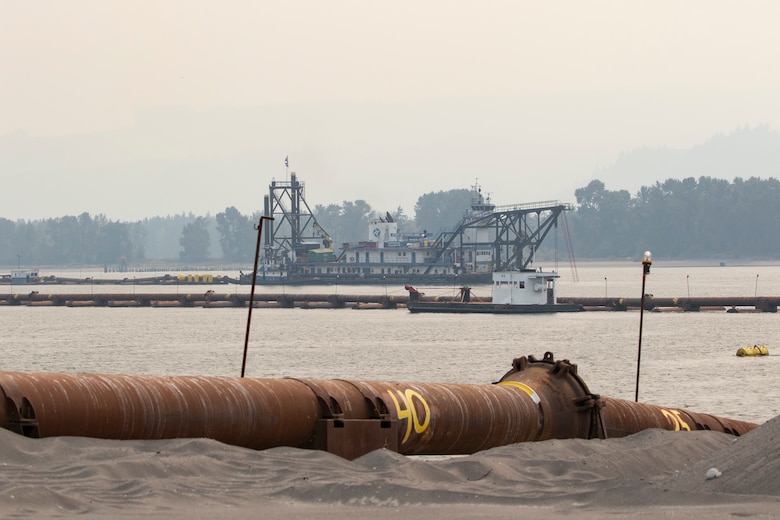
296,249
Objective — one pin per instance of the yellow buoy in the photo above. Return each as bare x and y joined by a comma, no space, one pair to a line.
755,350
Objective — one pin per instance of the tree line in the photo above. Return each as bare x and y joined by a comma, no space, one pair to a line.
679,219
676,219
228,236
70,240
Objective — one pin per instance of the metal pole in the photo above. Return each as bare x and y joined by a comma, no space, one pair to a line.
259,228
646,262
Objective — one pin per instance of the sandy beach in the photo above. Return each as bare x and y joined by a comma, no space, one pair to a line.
648,475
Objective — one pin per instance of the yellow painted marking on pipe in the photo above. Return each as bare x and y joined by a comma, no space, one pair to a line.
409,411
525,388
676,420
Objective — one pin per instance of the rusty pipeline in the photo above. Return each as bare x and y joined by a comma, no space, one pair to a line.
536,400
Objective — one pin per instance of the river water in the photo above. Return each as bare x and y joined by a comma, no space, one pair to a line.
688,359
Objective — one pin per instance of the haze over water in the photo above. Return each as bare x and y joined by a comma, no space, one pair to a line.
134,110
688,359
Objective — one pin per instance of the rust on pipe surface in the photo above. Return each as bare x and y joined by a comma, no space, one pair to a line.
263,413
607,417
561,393
626,417
535,400
254,413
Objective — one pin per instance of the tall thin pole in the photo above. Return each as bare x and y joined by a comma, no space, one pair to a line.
259,228
755,294
646,263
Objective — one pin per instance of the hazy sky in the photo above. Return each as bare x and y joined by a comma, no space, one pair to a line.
143,108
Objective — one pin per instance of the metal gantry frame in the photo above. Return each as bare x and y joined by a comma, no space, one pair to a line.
512,232
293,227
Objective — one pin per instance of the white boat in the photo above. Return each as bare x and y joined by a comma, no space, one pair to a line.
20,276
513,292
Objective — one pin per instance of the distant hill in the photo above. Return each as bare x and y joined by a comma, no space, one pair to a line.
746,152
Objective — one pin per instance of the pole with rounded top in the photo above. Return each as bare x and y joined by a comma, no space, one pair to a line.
647,261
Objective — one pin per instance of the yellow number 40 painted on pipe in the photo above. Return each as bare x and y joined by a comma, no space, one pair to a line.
410,413
676,420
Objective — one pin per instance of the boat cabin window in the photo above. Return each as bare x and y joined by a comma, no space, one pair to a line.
509,285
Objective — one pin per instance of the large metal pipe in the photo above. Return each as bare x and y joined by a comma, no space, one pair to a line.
608,417
536,400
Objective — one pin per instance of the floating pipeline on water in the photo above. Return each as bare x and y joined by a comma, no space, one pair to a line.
538,399
209,299
217,299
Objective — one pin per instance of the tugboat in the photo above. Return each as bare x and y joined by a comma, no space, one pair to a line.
513,292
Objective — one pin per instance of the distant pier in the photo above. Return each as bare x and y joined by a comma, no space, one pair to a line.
213,299
688,304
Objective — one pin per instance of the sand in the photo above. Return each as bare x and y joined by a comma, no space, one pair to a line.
653,474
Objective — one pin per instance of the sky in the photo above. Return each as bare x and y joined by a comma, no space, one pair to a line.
135,109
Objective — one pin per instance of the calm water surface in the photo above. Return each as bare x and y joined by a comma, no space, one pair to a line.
688,359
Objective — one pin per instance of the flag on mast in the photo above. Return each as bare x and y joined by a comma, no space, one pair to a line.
286,162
